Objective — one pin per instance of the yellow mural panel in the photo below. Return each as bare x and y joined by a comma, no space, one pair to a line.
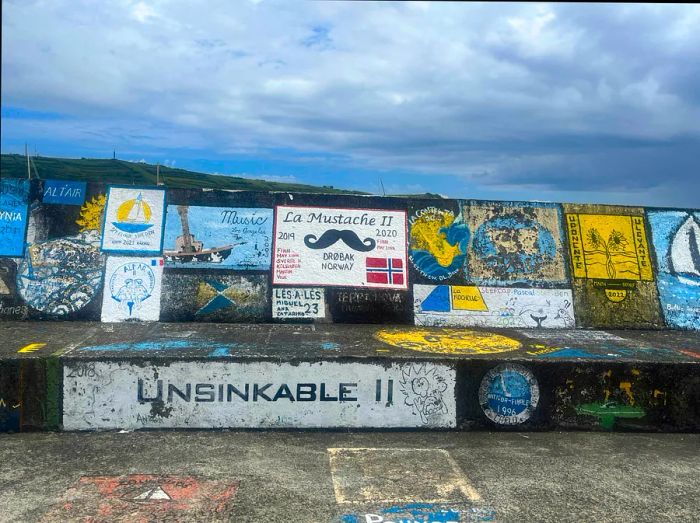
467,298
448,341
608,247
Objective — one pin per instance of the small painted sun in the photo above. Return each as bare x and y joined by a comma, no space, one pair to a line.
91,214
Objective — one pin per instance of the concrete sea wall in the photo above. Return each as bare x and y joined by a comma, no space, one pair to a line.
76,251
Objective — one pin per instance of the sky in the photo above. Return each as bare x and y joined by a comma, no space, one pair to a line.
558,102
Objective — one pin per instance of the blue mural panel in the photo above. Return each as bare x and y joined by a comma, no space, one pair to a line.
676,239
14,199
63,192
218,237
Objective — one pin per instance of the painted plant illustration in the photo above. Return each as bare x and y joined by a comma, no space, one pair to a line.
611,253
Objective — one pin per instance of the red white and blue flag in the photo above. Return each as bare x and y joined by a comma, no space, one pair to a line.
387,271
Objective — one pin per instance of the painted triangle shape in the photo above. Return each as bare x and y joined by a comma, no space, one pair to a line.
154,493
438,300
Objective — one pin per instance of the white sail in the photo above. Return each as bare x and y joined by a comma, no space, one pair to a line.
684,253
136,213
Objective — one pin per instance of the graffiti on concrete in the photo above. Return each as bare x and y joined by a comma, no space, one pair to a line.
64,192
291,303
370,306
61,276
132,289
448,341
423,387
676,238
213,297
438,241
134,219
344,247
472,306
145,497
423,513
609,396
516,243
92,214
509,394
264,394
611,266
14,202
218,237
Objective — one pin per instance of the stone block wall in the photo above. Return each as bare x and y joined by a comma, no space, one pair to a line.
76,251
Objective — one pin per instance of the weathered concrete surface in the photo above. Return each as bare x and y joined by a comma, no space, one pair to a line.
331,341
288,476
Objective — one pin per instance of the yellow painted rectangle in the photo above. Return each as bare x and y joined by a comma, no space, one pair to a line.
467,298
609,247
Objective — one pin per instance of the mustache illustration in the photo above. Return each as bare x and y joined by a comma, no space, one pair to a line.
331,236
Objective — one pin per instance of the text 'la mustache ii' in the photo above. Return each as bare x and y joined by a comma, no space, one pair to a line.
331,236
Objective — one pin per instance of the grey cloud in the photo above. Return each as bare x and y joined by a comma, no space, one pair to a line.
560,96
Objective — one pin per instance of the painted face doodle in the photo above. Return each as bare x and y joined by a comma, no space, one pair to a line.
131,284
438,243
422,389
331,236
509,394
514,245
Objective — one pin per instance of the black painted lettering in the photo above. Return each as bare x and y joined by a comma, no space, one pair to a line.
159,392
260,391
172,390
306,392
344,390
283,392
231,390
204,392
324,397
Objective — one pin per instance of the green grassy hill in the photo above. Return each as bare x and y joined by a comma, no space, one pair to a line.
122,172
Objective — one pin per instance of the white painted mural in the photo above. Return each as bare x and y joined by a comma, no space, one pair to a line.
132,288
472,306
348,247
290,302
134,220
210,394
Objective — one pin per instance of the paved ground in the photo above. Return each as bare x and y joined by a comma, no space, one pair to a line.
316,477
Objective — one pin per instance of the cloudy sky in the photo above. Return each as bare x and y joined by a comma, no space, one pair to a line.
559,102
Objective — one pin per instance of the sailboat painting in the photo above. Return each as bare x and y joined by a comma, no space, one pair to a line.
676,237
236,238
134,220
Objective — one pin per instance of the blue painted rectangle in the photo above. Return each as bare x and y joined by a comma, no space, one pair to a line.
226,237
64,192
14,199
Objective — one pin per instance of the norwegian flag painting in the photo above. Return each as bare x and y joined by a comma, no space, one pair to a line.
387,271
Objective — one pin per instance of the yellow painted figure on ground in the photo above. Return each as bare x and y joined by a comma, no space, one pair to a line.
448,341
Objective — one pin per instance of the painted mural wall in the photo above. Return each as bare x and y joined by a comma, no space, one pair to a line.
70,250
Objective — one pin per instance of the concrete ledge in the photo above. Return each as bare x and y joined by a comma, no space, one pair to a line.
86,376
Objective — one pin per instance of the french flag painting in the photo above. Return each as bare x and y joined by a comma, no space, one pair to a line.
387,271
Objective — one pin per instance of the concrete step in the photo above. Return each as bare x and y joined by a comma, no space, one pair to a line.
99,376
